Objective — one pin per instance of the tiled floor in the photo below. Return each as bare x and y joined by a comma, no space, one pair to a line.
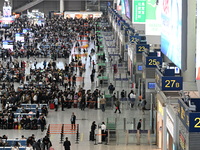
85,118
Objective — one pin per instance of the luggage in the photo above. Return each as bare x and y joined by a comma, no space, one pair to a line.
75,105
91,105
51,105
91,138
16,127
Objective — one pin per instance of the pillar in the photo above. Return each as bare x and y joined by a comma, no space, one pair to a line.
61,6
164,129
189,74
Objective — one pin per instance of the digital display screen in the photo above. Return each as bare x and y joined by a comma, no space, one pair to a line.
139,68
139,11
7,11
171,33
151,85
8,45
19,37
119,7
127,9
123,6
153,17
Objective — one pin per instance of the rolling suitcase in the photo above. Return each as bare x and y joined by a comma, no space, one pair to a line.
75,105
51,105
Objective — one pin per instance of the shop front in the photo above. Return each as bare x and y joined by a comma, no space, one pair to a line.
160,124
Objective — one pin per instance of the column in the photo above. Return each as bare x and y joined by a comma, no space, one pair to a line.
189,74
164,128
61,6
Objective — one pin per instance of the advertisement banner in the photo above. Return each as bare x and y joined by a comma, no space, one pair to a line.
153,17
171,35
139,11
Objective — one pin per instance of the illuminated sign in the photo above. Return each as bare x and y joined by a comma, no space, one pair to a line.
8,45
153,17
135,39
160,108
183,115
168,83
171,33
7,11
127,9
139,11
19,37
151,62
142,47
182,141
191,120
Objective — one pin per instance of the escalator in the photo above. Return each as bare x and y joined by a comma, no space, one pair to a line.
28,5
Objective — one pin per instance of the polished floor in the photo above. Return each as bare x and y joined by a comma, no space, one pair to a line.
127,120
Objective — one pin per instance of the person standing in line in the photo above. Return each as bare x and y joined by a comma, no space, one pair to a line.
42,122
67,144
62,102
74,80
56,103
93,128
73,121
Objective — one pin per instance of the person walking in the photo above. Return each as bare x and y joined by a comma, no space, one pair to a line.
111,88
122,95
132,97
143,105
67,144
139,125
117,105
73,121
102,102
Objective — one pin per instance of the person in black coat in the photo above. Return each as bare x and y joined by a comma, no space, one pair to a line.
37,113
93,127
67,144
139,125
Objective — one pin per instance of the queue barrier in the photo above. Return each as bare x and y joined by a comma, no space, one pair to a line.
11,142
63,129
10,148
33,105
29,109
138,133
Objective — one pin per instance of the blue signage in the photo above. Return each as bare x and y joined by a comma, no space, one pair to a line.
151,62
191,120
168,83
135,39
141,47
183,115
126,32
172,83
